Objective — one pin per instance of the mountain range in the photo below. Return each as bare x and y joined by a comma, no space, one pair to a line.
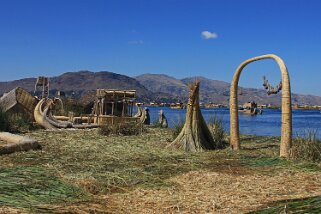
215,91
152,87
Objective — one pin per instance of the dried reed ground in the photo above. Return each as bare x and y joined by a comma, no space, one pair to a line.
96,174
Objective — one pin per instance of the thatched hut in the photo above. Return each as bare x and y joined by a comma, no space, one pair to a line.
114,106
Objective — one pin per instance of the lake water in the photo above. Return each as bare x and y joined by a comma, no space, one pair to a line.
267,124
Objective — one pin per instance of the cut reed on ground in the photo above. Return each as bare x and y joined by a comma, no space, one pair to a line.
83,169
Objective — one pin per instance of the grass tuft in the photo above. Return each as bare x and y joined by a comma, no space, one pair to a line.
20,123
307,148
156,124
15,122
217,130
4,121
177,127
124,129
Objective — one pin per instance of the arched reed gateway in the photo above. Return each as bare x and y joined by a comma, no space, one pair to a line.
286,130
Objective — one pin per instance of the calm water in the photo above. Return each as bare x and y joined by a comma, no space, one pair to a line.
267,124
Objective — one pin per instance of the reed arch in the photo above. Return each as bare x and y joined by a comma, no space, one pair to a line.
286,129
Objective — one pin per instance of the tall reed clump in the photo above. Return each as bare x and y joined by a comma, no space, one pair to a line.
156,124
307,147
4,121
124,129
20,123
215,125
15,122
177,127
75,107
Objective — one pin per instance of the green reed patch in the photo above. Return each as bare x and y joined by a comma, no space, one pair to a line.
307,148
34,187
264,161
305,205
277,162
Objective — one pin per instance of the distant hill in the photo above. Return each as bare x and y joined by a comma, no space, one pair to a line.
163,83
217,91
151,87
81,82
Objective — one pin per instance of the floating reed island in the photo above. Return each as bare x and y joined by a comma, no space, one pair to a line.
115,160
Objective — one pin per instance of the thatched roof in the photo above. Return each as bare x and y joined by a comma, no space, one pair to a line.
18,98
116,94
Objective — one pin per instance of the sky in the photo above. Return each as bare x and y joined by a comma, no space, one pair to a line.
180,38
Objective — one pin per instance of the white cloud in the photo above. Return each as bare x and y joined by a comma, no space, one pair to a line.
209,35
136,42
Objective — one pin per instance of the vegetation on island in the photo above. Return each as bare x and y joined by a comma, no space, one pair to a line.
84,171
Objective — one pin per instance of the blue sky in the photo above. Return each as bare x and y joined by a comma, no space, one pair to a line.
50,37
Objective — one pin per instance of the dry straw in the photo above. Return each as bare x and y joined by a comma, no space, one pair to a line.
138,174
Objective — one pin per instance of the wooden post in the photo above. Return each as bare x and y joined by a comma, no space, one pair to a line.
123,110
102,106
112,108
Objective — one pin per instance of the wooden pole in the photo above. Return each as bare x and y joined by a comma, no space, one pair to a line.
123,109
112,108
